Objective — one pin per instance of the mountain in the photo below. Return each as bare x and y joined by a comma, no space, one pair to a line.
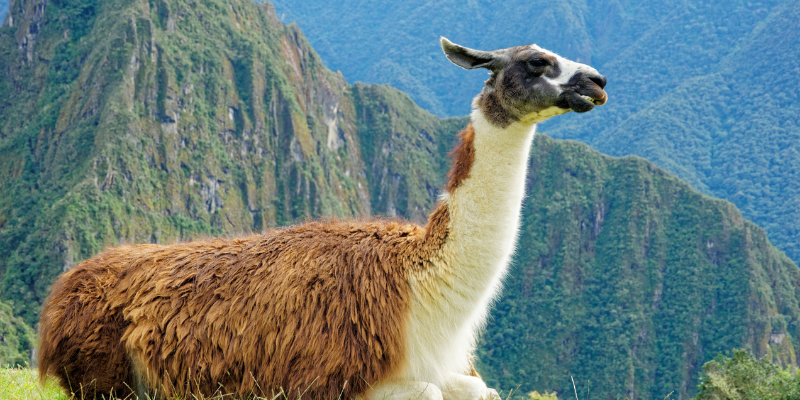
18,339
132,121
123,121
703,89
627,277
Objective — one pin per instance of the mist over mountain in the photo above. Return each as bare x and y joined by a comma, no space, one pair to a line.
703,89
151,121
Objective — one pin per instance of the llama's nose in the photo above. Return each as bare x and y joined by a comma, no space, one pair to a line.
598,79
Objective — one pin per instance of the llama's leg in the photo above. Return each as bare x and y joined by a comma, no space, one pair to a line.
139,386
463,387
404,390
140,390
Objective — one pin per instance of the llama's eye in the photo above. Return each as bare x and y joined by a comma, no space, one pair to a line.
538,62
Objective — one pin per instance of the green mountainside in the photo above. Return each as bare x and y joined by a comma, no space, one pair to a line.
629,278
16,339
132,121
703,89
136,121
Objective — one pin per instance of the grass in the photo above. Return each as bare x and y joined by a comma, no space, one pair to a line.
23,384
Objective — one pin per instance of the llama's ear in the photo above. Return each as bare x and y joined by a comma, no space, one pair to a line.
468,58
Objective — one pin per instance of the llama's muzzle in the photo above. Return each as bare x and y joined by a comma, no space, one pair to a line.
583,92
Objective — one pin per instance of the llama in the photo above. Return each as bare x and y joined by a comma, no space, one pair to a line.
352,309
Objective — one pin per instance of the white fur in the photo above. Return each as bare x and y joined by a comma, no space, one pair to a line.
401,390
451,305
568,68
451,299
461,387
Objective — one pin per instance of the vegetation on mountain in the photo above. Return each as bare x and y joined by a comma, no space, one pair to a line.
131,121
16,339
703,89
626,276
742,376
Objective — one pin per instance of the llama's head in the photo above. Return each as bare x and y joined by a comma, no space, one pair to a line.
529,83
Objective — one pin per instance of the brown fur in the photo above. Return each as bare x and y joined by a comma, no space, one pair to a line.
463,156
318,308
79,341
495,112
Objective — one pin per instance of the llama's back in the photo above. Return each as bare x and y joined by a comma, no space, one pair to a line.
79,337
320,307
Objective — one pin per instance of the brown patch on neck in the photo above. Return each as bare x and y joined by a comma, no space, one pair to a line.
436,230
463,158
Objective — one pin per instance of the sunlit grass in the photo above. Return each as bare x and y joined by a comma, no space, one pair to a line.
22,383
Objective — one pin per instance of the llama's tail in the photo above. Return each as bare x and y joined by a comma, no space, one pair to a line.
79,336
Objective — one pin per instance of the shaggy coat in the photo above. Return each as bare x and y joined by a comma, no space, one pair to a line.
318,308
375,309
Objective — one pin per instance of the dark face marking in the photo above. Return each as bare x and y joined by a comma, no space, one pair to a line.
529,83
580,85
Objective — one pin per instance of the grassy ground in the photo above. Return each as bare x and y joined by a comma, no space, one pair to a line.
23,384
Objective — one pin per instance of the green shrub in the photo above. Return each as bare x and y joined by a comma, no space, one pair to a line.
16,339
545,396
742,377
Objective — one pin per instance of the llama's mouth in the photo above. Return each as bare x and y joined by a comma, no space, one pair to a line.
577,102
592,100
582,96
593,94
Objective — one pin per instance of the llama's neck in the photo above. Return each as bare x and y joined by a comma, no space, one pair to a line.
484,209
483,216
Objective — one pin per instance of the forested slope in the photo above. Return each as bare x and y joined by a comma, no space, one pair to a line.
132,121
16,339
628,277
703,89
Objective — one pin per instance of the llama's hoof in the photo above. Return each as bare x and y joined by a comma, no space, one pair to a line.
491,394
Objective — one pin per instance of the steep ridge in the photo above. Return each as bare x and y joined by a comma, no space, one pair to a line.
700,88
129,121
734,132
136,121
629,278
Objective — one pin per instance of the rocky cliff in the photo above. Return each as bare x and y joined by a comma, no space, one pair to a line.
137,121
